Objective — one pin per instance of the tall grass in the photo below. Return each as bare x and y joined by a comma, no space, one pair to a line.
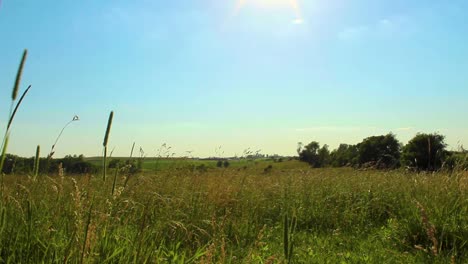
52,149
334,215
104,144
13,112
288,236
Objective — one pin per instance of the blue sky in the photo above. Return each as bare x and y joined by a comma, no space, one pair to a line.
263,75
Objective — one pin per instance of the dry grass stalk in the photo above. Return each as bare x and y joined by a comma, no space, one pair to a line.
430,229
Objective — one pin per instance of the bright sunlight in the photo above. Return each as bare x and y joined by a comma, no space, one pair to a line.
276,4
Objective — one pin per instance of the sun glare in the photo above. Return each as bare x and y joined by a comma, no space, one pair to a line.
272,4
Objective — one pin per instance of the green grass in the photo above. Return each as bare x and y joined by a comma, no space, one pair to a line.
163,164
235,215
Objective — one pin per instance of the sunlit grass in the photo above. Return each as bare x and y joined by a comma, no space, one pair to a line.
174,214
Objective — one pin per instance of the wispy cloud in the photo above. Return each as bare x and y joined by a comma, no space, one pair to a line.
388,26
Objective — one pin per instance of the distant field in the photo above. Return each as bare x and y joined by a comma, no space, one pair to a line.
158,164
249,212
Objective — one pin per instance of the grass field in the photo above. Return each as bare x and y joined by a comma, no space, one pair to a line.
242,214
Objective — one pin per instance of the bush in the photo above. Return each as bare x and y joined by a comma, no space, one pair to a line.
133,166
456,161
81,167
114,163
344,155
71,164
314,155
381,151
425,152
16,164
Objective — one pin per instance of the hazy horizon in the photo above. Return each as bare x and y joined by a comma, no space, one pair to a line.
255,74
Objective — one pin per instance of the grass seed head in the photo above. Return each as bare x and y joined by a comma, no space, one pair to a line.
109,125
18,75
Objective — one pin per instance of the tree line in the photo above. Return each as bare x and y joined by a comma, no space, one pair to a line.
423,152
70,164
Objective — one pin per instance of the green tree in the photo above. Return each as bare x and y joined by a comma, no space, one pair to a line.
381,151
425,152
324,156
314,155
344,155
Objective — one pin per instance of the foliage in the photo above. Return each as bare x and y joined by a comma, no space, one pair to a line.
133,166
456,161
71,165
314,155
425,152
344,155
114,163
379,151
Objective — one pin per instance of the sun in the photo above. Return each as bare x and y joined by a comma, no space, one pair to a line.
278,4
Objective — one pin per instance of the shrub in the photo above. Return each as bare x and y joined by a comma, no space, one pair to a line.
425,152
344,155
201,168
314,155
133,166
381,151
114,163
268,169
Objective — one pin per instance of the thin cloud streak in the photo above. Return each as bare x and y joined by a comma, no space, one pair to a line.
388,26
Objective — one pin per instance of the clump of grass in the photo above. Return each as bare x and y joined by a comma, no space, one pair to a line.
104,144
115,178
430,229
289,227
85,239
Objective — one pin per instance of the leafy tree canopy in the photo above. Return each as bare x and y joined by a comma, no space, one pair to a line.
383,151
425,152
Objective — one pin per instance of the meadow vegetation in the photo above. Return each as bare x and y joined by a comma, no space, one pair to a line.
236,215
